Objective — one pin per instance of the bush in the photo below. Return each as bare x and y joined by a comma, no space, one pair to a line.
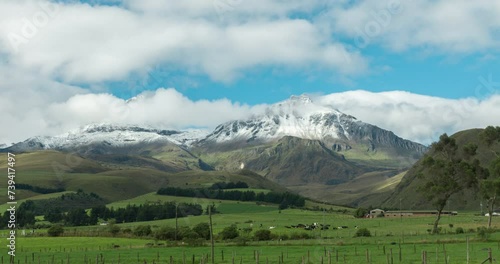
203,230
363,232
484,233
360,212
55,230
194,242
229,232
165,233
142,230
113,228
262,234
459,230
284,237
185,232
303,235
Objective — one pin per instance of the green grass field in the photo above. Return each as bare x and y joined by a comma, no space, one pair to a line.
85,244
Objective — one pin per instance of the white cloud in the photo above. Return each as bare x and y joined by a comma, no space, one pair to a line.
44,47
444,26
83,43
416,117
163,108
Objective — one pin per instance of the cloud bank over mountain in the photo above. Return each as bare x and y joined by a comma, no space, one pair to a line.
415,117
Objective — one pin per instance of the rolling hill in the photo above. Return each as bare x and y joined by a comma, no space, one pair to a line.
406,191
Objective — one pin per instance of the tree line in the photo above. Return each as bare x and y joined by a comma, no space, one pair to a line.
229,185
75,213
38,189
285,199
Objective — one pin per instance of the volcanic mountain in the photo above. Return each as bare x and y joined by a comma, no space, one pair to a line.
296,143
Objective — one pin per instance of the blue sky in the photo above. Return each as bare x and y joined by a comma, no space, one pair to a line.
64,64
440,76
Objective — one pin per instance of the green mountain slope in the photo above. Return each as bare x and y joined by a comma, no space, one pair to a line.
406,191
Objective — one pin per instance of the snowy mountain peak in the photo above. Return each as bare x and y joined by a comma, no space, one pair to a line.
112,135
299,116
301,99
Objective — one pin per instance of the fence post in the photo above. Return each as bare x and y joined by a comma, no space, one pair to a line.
467,240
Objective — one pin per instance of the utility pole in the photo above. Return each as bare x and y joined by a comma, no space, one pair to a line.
400,212
176,223
211,233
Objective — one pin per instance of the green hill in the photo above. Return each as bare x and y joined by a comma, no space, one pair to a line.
406,192
52,169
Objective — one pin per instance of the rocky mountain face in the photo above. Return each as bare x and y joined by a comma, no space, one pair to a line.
300,117
294,142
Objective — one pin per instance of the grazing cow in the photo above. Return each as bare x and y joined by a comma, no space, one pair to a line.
272,227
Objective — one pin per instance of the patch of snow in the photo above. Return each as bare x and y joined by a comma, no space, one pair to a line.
116,136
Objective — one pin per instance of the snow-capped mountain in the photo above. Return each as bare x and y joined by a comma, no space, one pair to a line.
298,117
111,136
301,117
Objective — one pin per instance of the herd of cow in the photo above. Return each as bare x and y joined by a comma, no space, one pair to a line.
314,226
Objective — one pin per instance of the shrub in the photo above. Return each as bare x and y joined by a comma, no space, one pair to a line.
185,232
303,235
142,230
229,232
284,237
194,242
360,212
459,230
203,230
363,232
262,235
55,230
113,228
484,233
165,233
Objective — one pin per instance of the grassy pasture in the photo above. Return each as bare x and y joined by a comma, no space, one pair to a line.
79,249
409,234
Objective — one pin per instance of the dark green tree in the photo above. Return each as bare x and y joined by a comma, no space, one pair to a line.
490,135
77,217
142,230
24,214
203,230
360,212
445,173
262,235
165,233
55,230
490,187
229,232
54,215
